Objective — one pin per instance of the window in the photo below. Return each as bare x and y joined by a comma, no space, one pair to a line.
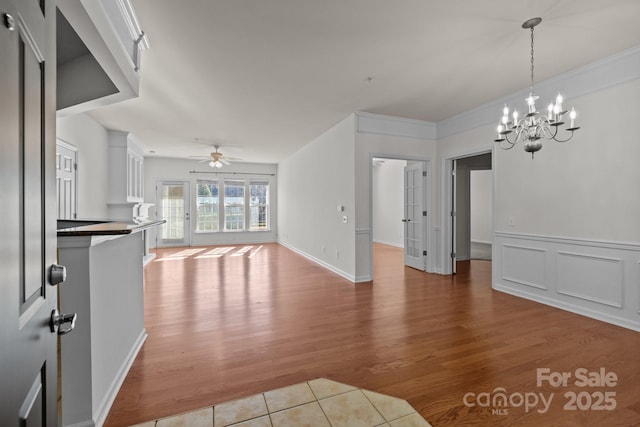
258,205
207,206
234,205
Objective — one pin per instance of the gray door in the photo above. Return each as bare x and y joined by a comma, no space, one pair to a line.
28,359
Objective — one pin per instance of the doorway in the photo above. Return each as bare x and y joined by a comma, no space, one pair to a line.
399,207
173,203
470,207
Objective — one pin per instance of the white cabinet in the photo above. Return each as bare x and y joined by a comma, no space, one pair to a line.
126,175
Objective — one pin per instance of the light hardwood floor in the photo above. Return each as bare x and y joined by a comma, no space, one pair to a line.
224,325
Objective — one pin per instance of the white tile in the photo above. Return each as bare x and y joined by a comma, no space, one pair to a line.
390,407
239,410
351,409
288,397
256,422
325,388
413,420
307,415
200,418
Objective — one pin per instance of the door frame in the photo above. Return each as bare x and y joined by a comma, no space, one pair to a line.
446,194
427,197
187,207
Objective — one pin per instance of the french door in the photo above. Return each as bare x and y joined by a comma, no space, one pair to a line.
415,254
173,206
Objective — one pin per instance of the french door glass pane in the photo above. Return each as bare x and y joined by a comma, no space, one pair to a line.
173,211
234,205
258,205
207,206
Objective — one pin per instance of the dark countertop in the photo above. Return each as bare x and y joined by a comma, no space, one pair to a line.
102,227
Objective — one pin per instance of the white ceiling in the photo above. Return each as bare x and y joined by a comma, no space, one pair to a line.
263,78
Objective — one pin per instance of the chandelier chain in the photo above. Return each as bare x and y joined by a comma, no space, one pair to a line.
532,59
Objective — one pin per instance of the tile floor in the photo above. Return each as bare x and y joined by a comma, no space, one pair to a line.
317,403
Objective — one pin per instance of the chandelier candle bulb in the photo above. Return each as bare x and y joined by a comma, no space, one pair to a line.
573,115
559,102
550,111
515,118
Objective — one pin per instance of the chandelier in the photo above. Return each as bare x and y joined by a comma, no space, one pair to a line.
534,126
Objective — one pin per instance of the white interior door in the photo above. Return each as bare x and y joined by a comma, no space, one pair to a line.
454,222
415,254
66,161
172,202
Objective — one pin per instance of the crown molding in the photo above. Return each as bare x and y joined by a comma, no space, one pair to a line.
593,77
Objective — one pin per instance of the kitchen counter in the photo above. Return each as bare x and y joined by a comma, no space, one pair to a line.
102,228
105,287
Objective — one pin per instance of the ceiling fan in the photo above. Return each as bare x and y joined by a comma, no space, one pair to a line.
216,159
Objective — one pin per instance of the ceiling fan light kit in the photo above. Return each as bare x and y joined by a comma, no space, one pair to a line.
216,159
534,127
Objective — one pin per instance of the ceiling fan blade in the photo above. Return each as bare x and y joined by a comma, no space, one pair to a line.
225,161
202,161
199,157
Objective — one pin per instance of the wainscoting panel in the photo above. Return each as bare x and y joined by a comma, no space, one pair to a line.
524,265
593,278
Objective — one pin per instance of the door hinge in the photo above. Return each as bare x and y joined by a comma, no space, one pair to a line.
424,173
424,213
453,213
424,253
75,166
453,254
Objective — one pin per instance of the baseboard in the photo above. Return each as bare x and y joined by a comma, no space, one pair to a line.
324,264
105,405
483,242
603,317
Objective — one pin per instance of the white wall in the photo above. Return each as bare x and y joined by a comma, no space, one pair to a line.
586,188
164,169
92,142
482,206
312,183
388,202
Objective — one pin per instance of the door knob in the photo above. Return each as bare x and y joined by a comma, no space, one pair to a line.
57,274
58,320
9,22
